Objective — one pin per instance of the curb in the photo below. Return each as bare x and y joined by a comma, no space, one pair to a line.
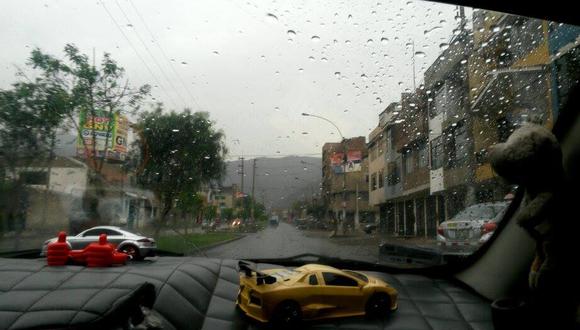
211,246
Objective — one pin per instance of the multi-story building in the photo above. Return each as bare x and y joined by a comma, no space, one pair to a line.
407,210
509,79
344,184
376,174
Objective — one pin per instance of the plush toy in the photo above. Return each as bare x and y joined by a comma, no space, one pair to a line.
532,158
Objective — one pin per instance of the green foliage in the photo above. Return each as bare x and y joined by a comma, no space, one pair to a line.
179,152
227,213
85,87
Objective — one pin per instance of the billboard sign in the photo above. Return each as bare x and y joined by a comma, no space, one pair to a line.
337,162
353,161
99,129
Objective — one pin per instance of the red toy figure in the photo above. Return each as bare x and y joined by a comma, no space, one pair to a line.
103,254
57,252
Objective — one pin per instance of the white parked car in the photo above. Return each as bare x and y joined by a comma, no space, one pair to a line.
472,226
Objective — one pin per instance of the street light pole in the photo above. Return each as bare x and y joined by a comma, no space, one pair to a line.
344,150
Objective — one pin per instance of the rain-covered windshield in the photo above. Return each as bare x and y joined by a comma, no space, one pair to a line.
267,129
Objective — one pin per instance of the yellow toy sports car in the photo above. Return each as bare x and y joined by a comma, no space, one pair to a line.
311,292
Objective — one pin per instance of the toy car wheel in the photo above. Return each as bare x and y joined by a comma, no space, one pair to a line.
378,305
132,251
287,312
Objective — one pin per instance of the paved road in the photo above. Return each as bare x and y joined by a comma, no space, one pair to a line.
286,240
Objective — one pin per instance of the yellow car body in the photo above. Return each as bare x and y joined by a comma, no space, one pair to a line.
319,291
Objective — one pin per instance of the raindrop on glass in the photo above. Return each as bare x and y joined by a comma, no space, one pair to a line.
272,18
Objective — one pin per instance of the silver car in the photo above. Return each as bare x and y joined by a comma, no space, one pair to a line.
135,245
472,226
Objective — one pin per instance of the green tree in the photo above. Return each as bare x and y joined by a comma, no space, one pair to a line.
179,152
30,114
227,213
191,207
91,91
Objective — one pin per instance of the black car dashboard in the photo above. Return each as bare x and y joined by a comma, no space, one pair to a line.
199,293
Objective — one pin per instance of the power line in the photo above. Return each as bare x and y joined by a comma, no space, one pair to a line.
136,52
151,54
164,54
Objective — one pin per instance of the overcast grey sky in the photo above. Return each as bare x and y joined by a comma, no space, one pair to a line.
237,59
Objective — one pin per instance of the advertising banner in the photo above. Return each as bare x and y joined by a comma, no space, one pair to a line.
337,162
99,129
354,161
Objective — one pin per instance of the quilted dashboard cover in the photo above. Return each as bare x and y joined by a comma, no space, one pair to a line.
200,293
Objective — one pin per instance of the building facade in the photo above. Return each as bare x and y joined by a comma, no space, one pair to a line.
344,181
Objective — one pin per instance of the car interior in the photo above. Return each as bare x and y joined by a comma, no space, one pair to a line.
487,290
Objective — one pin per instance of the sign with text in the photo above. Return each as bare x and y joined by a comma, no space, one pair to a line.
337,162
353,161
102,134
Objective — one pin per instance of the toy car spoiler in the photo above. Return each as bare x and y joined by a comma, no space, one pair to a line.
248,267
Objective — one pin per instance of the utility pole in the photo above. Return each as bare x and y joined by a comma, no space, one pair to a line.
242,174
253,186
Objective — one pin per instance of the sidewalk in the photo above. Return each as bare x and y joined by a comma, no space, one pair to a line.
375,239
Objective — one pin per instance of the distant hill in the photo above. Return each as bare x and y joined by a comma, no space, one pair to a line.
279,181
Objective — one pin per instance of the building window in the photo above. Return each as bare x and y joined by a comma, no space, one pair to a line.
423,156
461,145
390,140
381,178
437,153
393,176
34,177
408,161
374,182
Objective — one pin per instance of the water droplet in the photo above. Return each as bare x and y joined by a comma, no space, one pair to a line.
443,46
384,40
300,70
175,130
272,18
349,16
337,74
420,54
276,109
364,76
311,58
315,38
324,59
347,42
426,32
463,61
216,52
291,33
184,63
206,157
370,41
304,133
130,25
